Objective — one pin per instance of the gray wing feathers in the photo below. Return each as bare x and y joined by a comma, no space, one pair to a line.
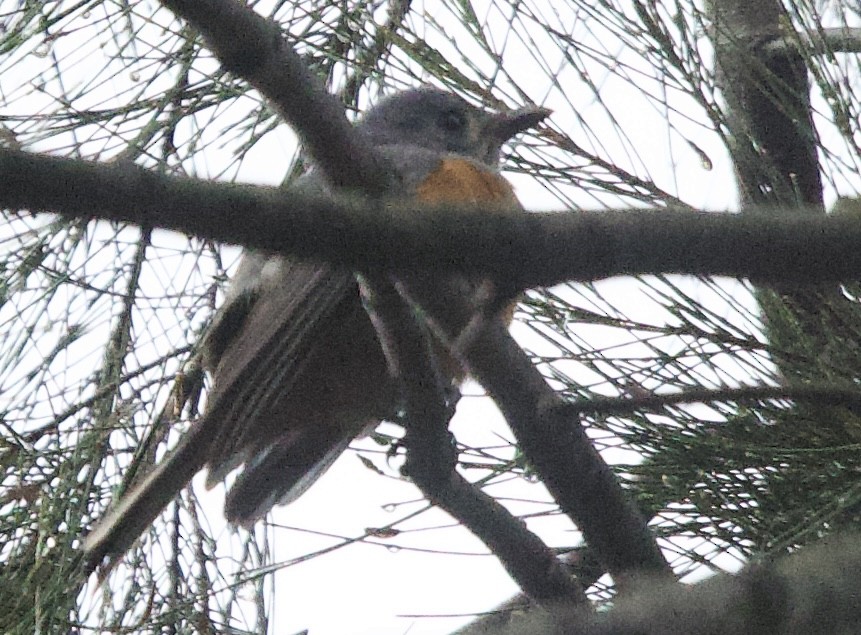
265,366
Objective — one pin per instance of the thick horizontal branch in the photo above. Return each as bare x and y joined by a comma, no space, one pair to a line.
524,250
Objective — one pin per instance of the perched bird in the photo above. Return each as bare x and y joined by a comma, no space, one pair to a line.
297,368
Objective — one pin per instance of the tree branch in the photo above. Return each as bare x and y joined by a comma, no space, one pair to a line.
552,440
815,591
825,42
518,250
431,456
826,394
254,48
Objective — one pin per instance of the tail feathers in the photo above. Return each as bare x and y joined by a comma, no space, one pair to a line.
279,476
129,517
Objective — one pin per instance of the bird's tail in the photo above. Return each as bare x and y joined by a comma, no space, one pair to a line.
136,509
280,475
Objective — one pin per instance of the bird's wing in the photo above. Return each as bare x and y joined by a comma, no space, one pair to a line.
280,474
279,336
265,357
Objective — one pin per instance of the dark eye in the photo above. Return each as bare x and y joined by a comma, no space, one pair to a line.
453,120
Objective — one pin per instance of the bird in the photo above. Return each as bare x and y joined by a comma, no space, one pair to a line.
297,368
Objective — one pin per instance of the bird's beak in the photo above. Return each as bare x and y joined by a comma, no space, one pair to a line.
504,125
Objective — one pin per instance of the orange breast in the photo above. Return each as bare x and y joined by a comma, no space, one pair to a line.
462,181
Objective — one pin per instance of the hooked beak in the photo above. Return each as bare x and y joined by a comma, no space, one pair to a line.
504,125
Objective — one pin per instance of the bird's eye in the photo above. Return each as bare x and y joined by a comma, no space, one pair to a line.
453,121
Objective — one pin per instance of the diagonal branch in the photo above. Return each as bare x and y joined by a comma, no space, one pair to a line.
254,48
551,438
431,455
